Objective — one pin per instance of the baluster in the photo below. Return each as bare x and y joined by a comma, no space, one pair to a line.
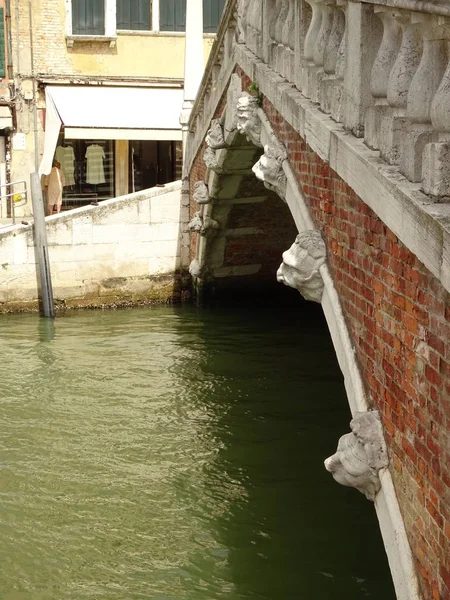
330,59
393,122
436,156
422,90
384,62
319,48
288,40
273,9
283,7
241,21
309,67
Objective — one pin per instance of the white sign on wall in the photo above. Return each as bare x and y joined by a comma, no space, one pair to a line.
19,141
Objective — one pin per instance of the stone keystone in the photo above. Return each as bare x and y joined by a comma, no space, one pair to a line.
301,264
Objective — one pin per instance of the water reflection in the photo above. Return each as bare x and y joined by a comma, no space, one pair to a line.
175,453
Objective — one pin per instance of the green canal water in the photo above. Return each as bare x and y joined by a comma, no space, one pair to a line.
176,453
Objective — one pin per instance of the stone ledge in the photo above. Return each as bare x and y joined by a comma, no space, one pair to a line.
72,39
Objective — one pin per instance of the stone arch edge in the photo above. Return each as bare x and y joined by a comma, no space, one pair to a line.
387,508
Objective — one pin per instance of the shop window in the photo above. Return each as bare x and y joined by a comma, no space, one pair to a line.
153,163
88,17
88,167
212,11
133,15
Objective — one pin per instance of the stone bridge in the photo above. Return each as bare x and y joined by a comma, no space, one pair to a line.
320,140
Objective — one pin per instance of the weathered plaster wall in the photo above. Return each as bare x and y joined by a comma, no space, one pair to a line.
128,249
141,54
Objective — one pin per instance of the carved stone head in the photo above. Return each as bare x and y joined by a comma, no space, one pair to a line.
301,264
360,455
214,137
210,160
248,122
201,195
196,223
269,168
194,268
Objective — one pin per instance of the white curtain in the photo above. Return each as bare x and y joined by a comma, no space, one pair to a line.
52,128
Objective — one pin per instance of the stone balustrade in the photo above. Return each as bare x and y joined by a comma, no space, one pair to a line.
381,69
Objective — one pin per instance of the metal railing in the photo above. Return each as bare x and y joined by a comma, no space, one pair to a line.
16,194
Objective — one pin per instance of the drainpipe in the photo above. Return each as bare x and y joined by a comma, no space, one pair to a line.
194,64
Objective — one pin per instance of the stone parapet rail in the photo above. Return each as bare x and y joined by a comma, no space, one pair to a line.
367,86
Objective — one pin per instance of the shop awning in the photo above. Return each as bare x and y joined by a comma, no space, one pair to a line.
109,113
118,113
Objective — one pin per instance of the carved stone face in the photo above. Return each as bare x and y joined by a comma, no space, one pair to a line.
360,455
269,168
214,137
248,122
201,195
301,263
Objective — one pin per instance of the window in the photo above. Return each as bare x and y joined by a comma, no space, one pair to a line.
212,11
88,17
172,15
133,14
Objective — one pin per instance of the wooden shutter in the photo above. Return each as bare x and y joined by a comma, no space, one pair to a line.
133,14
172,15
212,11
88,17
2,43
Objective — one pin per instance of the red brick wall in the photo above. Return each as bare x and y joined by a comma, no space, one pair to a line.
399,317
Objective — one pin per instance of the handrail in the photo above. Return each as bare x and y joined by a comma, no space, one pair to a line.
18,198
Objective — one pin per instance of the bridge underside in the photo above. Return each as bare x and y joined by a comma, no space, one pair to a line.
250,228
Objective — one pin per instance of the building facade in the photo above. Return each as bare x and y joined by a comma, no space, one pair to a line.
97,85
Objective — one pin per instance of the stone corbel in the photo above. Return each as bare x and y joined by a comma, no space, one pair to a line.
269,168
209,227
301,264
201,194
203,225
210,159
360,455
195,269
248,121
196,223
214,137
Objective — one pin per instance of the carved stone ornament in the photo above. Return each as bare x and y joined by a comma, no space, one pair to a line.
201,195
248,121
301,264
360,455
203,225
195,269
214,137
269,168
210,160
209,226
196,223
